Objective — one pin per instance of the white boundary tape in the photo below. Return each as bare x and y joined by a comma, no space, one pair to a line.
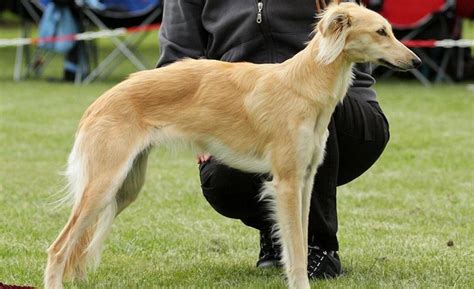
74,37
101,34
448,43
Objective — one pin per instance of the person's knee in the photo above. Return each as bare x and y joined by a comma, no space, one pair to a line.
387,133
363,145
227,190
382,136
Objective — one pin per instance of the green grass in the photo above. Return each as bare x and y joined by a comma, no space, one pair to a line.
395,221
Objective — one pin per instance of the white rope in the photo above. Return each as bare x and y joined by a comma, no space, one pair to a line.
73,37
101,34
449,43
15,42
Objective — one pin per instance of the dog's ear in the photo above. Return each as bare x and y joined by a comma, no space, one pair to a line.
333,28
333,23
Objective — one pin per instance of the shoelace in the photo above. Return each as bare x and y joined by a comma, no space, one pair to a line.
316,256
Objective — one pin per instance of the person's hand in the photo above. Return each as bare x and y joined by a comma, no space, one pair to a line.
202,158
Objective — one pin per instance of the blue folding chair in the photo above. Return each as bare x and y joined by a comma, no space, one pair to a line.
110,14
54,20
90,14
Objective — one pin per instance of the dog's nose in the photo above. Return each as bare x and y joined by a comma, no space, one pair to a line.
416,62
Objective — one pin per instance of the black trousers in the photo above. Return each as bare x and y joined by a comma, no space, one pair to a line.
358,134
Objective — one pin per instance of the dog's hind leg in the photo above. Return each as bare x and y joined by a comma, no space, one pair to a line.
133,183
98,167
126,195
90,244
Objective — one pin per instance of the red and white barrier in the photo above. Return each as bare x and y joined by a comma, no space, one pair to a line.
80,36
445,43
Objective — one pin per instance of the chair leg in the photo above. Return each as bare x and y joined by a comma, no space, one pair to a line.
132,44
18,63
421,77
444,64
101,67
23,52
434,66
460,63
122,47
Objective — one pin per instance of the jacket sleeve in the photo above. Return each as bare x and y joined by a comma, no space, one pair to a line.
182,33
363,81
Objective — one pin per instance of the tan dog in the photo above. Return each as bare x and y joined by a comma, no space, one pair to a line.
257,118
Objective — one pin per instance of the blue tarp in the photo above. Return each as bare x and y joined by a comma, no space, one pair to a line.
133,7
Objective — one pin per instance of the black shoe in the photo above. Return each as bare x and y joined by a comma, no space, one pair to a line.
270,251
323,264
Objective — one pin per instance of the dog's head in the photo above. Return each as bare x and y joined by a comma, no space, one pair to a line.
363,36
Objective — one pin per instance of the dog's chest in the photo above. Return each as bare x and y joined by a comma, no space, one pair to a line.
343,82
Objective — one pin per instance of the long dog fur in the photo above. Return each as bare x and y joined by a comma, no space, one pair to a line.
258,118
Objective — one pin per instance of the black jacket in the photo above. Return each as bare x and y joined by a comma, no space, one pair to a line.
231,30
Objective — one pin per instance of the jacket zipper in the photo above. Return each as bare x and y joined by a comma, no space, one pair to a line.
259,11
265,30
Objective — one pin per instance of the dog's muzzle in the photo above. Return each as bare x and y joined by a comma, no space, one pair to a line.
415,62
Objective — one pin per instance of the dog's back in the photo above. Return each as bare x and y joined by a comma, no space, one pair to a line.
198,99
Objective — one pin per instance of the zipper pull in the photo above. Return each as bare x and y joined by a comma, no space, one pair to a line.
259,12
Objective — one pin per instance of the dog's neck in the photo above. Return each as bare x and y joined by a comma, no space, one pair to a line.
314,79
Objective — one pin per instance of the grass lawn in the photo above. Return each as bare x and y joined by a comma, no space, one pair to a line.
395,221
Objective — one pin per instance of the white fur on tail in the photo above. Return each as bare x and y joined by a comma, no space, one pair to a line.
76,173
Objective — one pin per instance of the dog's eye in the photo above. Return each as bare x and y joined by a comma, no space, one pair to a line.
382,32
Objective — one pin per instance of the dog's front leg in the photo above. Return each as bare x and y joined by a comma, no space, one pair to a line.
288,213
307,190
308,182
287,179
